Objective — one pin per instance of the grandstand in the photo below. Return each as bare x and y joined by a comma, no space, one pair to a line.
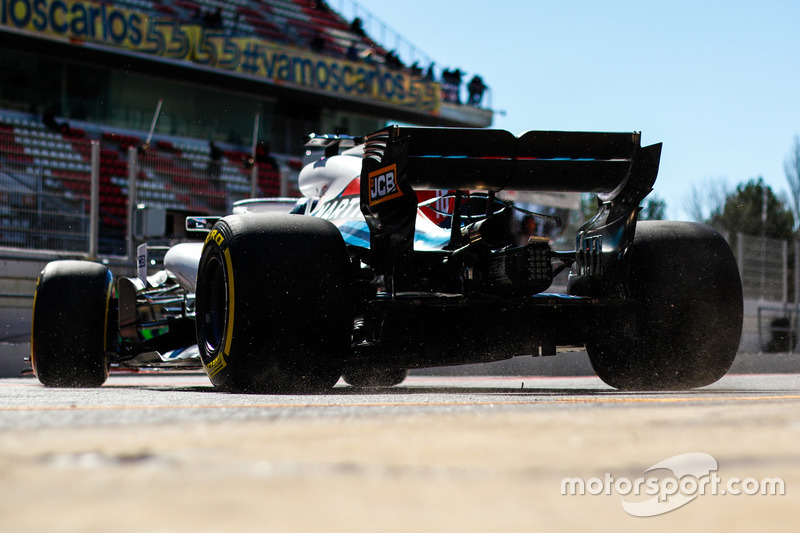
230,74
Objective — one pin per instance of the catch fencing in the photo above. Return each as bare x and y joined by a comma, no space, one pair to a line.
66,194
770,272
45,199
764,266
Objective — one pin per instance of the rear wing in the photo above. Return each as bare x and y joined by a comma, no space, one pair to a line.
398,160
564,161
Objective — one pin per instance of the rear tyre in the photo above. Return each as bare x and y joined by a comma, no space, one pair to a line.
375,377
273,304
70,328
688,295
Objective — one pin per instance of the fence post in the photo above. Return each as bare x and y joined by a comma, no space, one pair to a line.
796,272
763,268
740,254
133,170
785,272
795,313
254,180
94,205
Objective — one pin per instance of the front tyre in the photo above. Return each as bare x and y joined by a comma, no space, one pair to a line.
685,284
69,334
273,304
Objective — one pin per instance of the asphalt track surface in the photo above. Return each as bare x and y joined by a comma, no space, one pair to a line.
166,398
166,452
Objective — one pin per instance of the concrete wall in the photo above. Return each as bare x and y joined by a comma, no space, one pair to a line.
18,274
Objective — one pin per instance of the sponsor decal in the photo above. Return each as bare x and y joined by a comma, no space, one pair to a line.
383,185
141,263
102,23
347,208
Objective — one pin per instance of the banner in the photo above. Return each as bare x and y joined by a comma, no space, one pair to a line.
81,21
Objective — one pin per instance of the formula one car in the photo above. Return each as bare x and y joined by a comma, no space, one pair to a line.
358,281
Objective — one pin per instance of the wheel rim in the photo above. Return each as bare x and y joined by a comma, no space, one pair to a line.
213,314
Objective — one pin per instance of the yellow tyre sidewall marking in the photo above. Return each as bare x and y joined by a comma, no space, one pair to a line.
215,366
231,300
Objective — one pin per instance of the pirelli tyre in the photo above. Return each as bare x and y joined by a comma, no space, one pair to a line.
687,294
273,309
70,330
375,377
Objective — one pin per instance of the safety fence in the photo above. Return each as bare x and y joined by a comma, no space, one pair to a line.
764,266
44,192
63,192
770,272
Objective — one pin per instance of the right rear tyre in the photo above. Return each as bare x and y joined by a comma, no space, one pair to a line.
684,283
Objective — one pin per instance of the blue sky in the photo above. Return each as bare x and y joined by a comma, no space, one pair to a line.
718,82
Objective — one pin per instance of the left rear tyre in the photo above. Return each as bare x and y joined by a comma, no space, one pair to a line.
273,304
70,327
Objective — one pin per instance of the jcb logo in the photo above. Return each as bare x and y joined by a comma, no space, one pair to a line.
215,236
383,185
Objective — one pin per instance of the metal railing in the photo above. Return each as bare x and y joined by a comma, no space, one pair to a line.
770,273
385,35
45,191
763,267
75,196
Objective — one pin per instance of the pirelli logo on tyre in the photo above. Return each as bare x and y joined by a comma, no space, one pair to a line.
213,368
383,185
216,236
